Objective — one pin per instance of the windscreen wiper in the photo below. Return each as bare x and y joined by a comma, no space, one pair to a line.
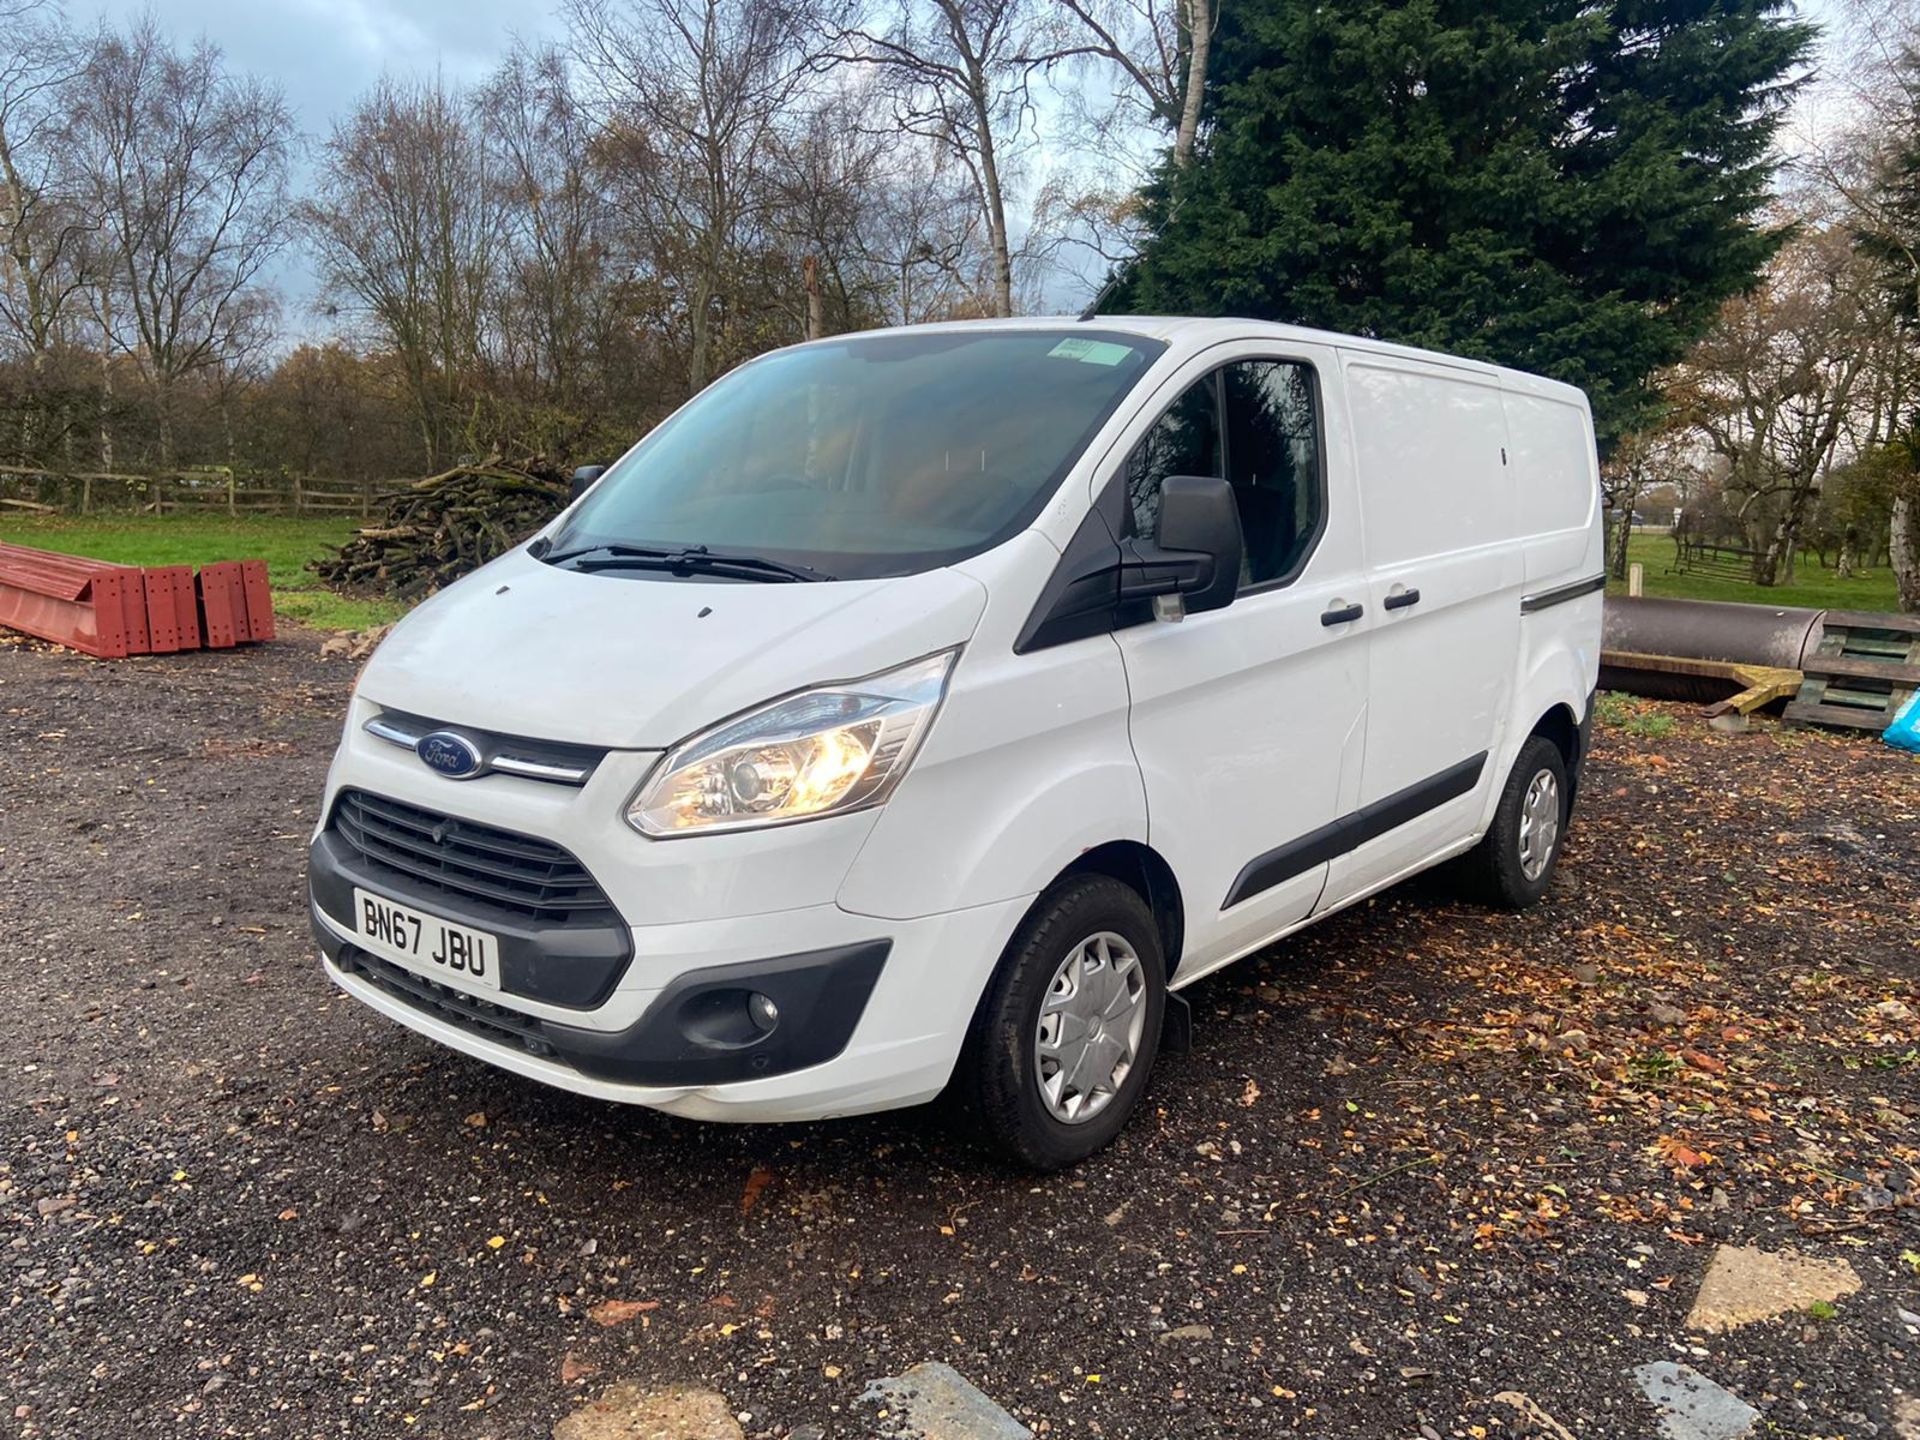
695,557
578,551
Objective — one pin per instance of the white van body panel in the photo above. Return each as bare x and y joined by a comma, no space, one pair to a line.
1438,502
1550,436
1200,745
1064,777
1248,723
525,648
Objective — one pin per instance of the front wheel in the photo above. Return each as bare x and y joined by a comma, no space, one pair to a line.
1069,1027
1513,865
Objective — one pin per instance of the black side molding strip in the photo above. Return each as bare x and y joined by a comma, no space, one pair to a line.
1560,594
1349,832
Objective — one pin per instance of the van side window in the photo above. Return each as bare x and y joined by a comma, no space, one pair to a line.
1183,441
1273,463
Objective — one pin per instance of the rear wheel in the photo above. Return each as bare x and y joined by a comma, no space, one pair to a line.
1513,865
1069,1027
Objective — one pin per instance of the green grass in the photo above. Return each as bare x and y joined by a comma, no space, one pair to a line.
1634,716
285,542
1813,587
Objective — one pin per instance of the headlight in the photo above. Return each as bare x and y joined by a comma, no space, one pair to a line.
822,752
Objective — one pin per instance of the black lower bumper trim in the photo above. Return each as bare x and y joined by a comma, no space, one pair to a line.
570,964
705,1028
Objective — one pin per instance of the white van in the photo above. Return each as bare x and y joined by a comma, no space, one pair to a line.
921,709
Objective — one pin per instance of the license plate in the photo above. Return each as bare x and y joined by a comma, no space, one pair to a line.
425,943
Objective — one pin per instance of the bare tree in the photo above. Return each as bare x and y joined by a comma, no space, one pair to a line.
44,220
1158,49
892,234
406,225
1774,383
959,74
1867,168
189,168
695,95
1637,464
555,218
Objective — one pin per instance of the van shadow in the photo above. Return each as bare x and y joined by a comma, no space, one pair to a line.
1283,1018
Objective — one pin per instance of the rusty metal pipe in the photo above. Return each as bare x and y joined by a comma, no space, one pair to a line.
1779,636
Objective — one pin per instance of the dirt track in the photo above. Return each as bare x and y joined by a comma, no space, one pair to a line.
1420,1157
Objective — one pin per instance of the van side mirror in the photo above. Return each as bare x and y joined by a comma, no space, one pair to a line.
1195,552
582,481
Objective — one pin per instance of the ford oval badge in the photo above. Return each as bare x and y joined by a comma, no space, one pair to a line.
453,756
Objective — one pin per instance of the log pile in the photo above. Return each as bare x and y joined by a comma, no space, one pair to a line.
435,530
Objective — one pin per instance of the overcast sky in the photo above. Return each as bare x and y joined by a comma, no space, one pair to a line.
325,52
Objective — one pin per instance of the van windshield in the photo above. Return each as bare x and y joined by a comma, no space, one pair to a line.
869,456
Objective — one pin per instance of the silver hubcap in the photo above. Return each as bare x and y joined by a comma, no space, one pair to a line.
1539,824
1091,1022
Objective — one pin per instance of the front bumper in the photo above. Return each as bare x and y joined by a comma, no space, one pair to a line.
901,1049
698,1030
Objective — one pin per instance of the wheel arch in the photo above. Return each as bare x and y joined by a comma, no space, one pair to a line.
1560,726
1144,870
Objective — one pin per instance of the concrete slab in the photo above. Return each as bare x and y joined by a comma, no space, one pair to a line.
634,1412
1744,1284
936,1402
1691,1406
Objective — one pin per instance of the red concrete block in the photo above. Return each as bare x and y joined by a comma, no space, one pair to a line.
222,605
259,599
87,605
173,619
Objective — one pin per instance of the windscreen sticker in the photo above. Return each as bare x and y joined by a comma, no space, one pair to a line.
1091,352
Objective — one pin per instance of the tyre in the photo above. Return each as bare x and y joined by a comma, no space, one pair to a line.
1513,865
1069,1026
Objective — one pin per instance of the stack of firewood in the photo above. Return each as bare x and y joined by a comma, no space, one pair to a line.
435,530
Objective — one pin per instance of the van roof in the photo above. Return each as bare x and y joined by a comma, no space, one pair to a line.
1198,330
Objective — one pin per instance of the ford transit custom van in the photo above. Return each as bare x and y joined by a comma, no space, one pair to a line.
922,710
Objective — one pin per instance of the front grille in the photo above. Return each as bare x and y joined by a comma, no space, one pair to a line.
438,853
548,760
476,1016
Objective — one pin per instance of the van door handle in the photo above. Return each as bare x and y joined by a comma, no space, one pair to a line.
1401,599
1337,614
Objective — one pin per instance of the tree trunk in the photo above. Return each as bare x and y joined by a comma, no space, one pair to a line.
29,441
163,416
1623,533
816,320
1904,552
996,203
1776,559
700,318
1199,41
106,380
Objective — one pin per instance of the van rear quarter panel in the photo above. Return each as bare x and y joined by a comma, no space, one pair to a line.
1562,536
1557,477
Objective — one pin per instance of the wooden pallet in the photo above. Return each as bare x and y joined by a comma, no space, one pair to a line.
1754,687
1864,670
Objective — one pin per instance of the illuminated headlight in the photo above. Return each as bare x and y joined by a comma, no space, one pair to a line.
822,752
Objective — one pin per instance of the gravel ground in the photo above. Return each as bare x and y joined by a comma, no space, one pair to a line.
1421,1157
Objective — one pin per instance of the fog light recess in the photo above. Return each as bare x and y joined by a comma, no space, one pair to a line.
728,1019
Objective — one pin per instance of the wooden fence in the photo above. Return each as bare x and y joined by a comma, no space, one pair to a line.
200,491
